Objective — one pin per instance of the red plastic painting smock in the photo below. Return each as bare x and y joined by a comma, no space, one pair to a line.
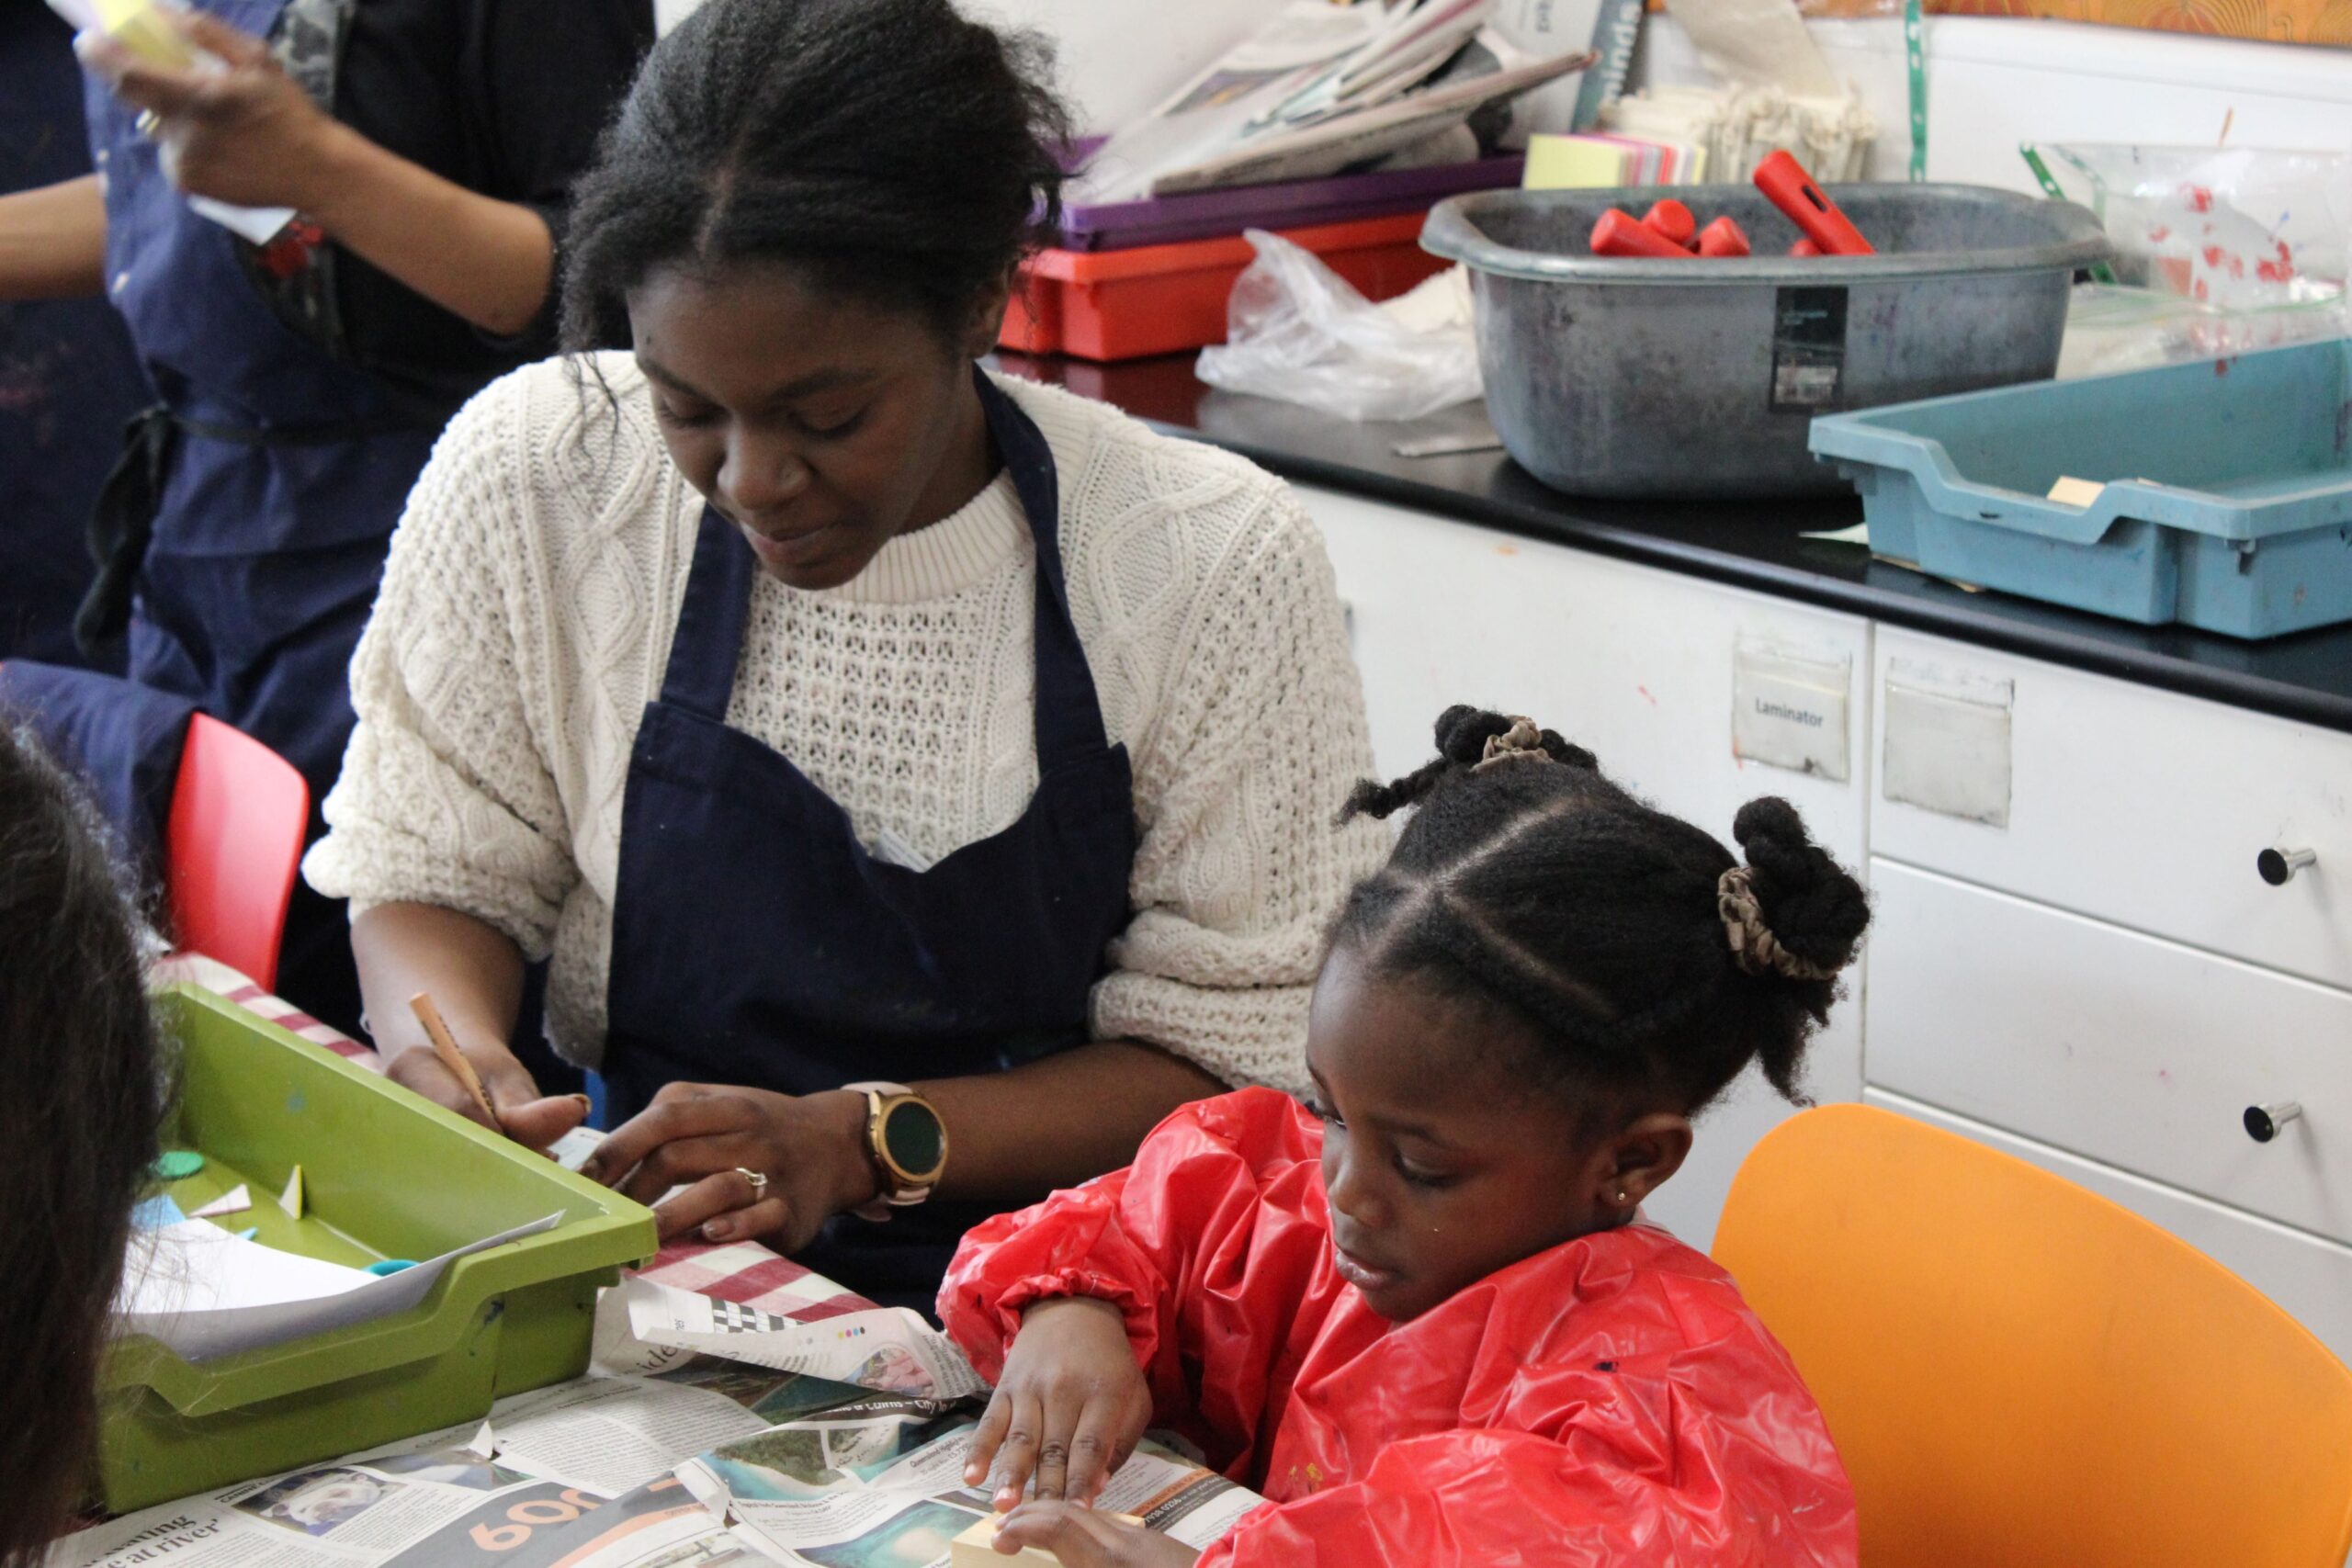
1609,1400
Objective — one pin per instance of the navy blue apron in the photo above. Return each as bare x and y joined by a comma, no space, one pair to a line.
756,942
241,538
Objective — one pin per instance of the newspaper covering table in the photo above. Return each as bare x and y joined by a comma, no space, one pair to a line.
844,1449
865,1485
578,1475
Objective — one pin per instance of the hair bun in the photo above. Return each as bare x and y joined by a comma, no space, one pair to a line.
1462,732
1813,908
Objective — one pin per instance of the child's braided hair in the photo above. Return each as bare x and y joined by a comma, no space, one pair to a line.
1651,966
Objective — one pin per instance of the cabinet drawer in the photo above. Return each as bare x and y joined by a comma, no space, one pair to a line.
2145,808
2137,1052
2311,1279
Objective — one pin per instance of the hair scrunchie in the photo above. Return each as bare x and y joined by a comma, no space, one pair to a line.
1753,946
1523,739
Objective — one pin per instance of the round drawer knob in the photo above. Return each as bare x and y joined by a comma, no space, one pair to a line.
2278,866
2262,1122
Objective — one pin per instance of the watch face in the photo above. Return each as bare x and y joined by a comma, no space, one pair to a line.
914,1138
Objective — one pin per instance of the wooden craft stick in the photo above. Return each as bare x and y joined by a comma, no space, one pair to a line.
446,1047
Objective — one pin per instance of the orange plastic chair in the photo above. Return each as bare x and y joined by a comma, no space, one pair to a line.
231,847
2018,1372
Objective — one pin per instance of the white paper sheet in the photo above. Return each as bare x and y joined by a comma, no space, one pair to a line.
572,1150
206,1293
236,1201
190,1267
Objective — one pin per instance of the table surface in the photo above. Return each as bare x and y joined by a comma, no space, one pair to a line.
1758,545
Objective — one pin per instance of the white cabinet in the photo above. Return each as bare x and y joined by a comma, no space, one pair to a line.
2097,978
2127,1048
1636,664
2145,808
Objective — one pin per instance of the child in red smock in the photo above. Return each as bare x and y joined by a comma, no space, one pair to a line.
1422,1315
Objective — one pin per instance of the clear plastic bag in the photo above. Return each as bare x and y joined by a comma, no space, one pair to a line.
2239,227
1298,332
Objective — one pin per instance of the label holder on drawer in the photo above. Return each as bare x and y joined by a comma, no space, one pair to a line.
1948,742
1789,709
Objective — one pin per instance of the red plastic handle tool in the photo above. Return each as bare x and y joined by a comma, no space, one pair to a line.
1672,220
1783,180
1804,248
1723,238
1619,235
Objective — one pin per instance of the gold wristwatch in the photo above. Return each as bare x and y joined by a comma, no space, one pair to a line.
906,1139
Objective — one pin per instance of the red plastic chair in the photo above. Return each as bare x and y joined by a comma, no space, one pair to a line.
239,814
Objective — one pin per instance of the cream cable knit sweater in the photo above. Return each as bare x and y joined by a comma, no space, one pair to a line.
524,622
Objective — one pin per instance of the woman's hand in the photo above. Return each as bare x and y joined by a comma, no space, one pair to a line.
524,1115
1084,1539
246,134
1069,1410
703,1137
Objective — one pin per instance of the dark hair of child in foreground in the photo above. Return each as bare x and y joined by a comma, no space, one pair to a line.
79,1103
1423,1315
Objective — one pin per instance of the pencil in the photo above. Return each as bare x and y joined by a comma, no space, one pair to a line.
446,1047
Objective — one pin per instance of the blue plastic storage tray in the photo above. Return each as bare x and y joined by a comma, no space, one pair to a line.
2228,503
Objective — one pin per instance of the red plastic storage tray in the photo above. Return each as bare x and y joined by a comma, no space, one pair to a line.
1108,305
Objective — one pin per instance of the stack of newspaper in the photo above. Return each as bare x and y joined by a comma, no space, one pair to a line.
706,1435
1321,88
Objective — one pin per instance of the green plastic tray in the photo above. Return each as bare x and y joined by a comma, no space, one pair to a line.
386,1176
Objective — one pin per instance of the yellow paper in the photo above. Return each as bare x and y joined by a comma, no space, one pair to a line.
2071,491
976,1547
1573,163
141,26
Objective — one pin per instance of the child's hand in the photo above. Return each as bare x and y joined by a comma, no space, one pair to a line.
1084,1539
1069,1410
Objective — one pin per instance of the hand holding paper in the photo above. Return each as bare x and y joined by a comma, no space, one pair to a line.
234,128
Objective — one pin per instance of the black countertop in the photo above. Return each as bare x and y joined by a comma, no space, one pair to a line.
1754,545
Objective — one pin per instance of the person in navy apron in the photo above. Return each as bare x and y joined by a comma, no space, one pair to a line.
976,964
854,972
300,375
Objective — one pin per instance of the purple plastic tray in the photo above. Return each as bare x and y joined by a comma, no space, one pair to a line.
1289,204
